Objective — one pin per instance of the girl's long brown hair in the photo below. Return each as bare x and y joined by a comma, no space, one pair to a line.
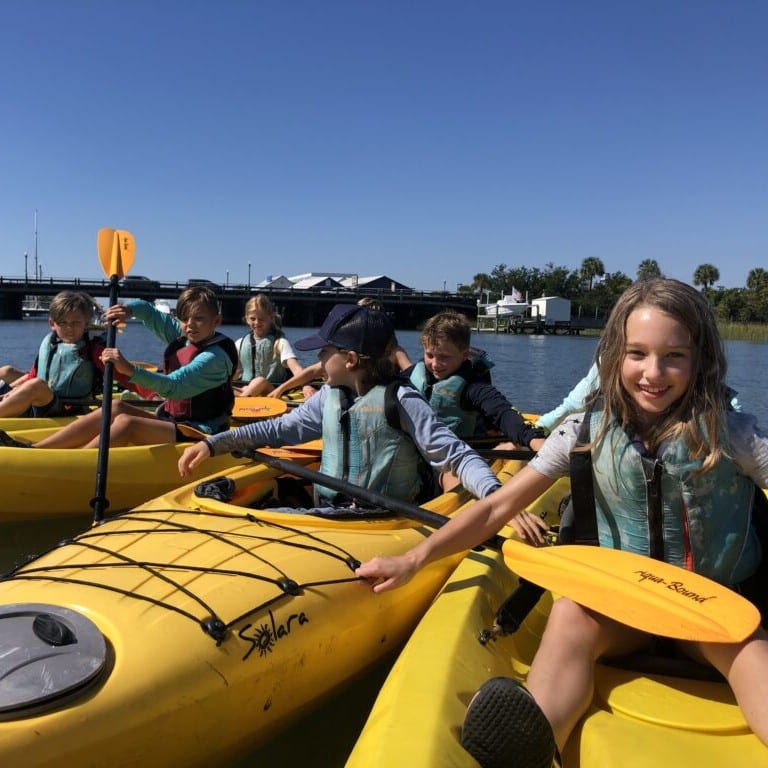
698,415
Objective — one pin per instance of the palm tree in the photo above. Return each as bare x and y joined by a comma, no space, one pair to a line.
481,281
647,269
706,275
757,279
591,267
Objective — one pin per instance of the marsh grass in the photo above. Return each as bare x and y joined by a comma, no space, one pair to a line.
754,332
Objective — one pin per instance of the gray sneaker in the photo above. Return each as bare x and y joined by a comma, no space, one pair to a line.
504,727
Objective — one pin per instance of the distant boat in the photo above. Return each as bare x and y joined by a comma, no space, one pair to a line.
35,307
163,306
507,305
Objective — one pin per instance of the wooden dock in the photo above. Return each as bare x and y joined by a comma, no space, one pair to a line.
535,326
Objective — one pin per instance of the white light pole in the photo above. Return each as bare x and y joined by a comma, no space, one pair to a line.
227,281
249,275
26,274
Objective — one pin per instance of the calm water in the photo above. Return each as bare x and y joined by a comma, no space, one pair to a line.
534,372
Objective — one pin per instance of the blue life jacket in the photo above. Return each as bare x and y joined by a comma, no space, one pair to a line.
258,358
69,369
362,447
660,506
445,399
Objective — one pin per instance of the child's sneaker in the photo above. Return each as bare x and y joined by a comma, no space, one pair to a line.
504,727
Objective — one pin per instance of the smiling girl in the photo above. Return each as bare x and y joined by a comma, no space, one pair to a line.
659,424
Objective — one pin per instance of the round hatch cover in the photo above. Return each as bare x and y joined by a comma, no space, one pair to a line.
46,652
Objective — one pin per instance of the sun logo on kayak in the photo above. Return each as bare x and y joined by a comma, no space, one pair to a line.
264,637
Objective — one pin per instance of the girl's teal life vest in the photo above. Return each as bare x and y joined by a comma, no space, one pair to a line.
701,522
361,447
259,357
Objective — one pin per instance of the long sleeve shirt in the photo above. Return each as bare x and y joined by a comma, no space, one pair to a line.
440,447
205,371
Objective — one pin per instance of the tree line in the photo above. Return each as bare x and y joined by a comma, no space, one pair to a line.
593,291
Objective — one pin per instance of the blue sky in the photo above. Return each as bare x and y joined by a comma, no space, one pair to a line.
428,141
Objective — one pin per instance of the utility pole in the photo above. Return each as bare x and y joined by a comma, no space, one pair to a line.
41,271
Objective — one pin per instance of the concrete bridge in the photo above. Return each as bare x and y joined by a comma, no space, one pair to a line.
298,308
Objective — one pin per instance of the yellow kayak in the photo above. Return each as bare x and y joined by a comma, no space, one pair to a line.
650,719
46,482
15,423
189,630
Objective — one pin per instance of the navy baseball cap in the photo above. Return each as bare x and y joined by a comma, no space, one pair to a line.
349,326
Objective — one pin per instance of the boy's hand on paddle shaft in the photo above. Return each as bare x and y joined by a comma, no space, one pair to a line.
192,458
114,356
117,313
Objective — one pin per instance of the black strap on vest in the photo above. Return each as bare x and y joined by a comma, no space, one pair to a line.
583,528
652,472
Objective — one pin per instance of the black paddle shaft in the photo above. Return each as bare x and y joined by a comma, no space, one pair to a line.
411,511
100,502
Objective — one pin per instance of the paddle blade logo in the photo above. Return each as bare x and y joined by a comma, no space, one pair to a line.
675,586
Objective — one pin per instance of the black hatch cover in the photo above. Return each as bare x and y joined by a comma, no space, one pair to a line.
46,652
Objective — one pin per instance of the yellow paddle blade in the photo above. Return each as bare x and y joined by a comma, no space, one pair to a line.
258,407
647,594
117,249
291,452
191,432
300,450
146,366
104,242
311,446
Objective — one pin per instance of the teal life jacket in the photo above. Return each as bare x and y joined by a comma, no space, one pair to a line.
69,369
445,399
258,358
362,447
658,506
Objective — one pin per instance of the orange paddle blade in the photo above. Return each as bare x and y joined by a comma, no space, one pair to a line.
258,407
300,450
146,366
647,594
311,446
291,452
191,432
117,249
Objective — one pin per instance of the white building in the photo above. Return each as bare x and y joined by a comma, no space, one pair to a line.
551,309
